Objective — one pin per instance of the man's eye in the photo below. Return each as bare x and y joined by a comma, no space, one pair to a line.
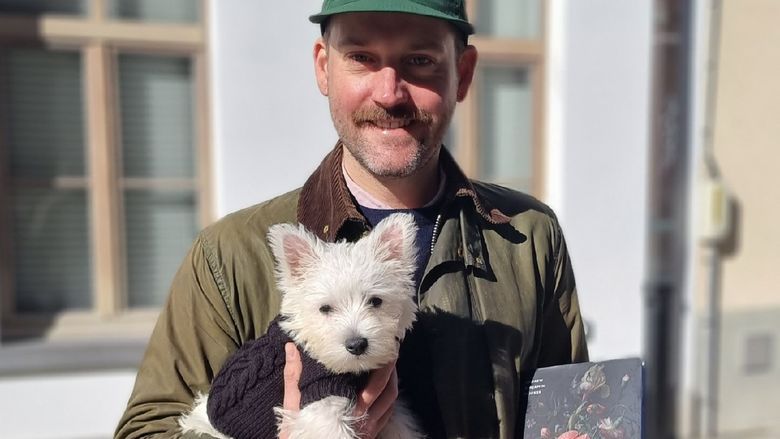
359,57
420,61
325,309
376,302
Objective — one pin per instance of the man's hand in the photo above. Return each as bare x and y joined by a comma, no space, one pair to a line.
374,403
292,374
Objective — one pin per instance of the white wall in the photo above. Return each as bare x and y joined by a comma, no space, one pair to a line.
692,353
598,129
271,126
63,406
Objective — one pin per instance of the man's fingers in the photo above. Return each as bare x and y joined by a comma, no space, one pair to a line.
377,408
377,381
381,422
292,374
384,403
375,400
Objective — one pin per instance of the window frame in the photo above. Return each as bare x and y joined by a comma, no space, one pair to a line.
504,52
100,39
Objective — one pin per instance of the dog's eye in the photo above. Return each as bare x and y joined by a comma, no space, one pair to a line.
325,309
375,302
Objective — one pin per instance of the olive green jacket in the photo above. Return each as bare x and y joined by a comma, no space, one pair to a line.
497,300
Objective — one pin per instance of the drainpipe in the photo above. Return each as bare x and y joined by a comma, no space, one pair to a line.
668,209
716,227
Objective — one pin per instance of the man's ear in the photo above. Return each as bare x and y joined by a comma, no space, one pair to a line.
467,63
321,65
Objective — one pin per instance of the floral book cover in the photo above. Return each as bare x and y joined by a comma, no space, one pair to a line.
601,400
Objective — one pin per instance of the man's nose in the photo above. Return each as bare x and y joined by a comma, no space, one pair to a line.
390,89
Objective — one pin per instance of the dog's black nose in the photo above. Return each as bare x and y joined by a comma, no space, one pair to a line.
356,345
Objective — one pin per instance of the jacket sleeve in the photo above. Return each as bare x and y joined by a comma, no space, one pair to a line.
563,331
194,335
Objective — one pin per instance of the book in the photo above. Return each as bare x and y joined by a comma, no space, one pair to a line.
597,400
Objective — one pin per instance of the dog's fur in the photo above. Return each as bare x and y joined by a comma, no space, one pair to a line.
368,287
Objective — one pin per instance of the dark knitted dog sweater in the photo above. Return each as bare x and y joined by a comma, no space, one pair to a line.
251,384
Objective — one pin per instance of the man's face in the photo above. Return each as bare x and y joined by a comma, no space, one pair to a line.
392,81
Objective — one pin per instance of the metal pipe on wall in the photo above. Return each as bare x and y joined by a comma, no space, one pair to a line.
668,209
710,383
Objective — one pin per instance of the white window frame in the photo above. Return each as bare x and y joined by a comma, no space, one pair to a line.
505,52
100,39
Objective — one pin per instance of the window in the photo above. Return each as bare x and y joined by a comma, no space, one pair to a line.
498,129
103,159
66,7
759,350
173,11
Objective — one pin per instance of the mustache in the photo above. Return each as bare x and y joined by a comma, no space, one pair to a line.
376,114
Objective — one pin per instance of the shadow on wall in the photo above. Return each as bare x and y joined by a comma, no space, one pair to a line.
748,373
743,356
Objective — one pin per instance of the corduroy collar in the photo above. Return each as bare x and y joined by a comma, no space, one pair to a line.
325,206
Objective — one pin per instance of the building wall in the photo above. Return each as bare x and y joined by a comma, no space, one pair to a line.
271,125
748,396
599,111
746,133
63,406
746,147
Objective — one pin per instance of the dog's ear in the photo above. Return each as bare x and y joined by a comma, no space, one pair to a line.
394,238
294,249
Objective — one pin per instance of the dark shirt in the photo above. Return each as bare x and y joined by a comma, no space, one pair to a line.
414,364
424,217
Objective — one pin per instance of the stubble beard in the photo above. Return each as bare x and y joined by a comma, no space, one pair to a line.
372,157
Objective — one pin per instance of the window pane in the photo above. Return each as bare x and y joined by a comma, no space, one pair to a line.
509,18
51,249
759,352
71,7
49,227
160,227
156,104
181,11
46,126
506,128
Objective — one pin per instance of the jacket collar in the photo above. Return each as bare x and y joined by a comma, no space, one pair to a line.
327,208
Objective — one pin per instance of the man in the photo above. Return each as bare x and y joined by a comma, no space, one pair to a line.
496,290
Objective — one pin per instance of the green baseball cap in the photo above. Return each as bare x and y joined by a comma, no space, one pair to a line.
454,11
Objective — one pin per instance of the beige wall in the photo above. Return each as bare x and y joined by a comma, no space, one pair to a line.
747,150
747,147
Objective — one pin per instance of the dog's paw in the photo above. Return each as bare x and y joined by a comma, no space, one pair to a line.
197,419
285,420
330,417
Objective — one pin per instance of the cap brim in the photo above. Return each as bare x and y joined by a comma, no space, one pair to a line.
401,7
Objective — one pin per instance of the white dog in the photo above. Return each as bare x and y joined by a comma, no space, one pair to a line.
347,306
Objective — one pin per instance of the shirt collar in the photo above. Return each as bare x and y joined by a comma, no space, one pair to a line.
327,208
365,199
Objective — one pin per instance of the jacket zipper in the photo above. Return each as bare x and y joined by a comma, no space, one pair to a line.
435,231
435,235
